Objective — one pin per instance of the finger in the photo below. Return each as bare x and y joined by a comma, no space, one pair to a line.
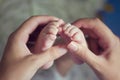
50,55
97,29
83,53
47,65
32,63
30,25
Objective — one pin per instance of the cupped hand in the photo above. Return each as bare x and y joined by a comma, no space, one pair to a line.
103,53
18,61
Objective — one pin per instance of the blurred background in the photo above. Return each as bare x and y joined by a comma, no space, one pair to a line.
14,12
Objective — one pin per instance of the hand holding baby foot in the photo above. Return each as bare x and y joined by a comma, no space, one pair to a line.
103,53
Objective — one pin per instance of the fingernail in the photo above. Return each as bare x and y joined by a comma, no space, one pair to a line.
72,47
62,51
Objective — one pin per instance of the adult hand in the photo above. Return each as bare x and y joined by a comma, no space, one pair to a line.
104,49
18,62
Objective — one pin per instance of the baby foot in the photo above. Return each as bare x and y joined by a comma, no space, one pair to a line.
72,33
47,38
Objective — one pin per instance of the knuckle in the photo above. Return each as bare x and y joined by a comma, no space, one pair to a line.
115,43
14,37
11,36
93,21
96,20
34,17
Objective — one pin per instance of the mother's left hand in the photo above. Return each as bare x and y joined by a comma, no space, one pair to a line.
18,62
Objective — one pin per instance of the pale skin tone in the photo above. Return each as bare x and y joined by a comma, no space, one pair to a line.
21,63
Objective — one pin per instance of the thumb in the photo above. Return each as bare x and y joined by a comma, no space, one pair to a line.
51,54
35,61
83,53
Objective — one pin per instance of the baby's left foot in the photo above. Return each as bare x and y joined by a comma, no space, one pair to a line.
73,34
47,38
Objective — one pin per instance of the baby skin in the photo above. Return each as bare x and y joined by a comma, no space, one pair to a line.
68,33
72,34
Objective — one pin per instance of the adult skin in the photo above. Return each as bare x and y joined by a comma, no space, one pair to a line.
103,53
18,62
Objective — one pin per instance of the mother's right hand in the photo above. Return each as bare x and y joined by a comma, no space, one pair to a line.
104,49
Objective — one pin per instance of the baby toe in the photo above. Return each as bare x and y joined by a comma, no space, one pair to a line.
73,31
